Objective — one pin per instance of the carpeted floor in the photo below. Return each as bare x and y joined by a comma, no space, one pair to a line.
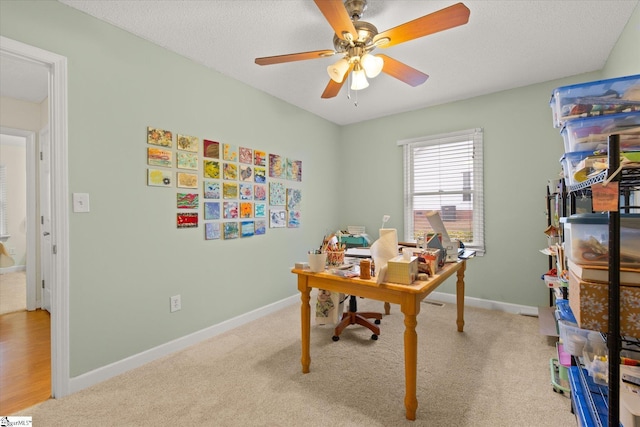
494,374
13,292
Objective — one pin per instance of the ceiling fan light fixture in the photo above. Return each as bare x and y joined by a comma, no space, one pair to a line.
337,70
372,65
359,79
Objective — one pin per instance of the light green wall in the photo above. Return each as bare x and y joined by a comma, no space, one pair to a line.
127,257
624,59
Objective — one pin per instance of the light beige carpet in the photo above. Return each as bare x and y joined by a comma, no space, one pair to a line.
13,292
496,373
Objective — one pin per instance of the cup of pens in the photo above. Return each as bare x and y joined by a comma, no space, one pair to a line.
335,258
317,260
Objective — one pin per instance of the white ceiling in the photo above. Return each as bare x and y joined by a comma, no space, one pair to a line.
506,44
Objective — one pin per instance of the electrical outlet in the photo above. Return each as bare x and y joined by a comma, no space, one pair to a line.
176,304
12,251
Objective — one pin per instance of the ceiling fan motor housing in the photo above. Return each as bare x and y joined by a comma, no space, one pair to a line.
366,33
355,8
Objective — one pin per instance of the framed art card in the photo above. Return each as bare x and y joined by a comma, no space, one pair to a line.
246,191
211,169
247,228
260,192
211,230
211,149
276,166
260,210
260,175
245,155
259,158
187,220
211,190
187,180
229,190
159,178
230,210
230,171
246,173
159,157
277,218
211,210
188,143
260,227
187,201
230,152
277,195
230,230
160,137
294,197
187,161
246,209
293,220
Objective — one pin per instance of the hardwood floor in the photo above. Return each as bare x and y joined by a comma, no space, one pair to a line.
25,360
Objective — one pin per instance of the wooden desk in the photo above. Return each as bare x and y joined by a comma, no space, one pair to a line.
409,298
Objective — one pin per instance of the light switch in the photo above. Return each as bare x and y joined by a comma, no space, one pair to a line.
80,202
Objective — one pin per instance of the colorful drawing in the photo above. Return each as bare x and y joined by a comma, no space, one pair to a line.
276,166
259,158
188,143
187,180
294,219
230,210
187,220
211,169
294,197
246,191
187,161
260,210
277,218
230,152
260,175
211,149
246,209
230,230
247,228
159,157
246,173
187,201
211,190
211,210
245,155
287,168
159,178
161,137
211,230
260,227
296,170
277,194
260,192
230,171
229,190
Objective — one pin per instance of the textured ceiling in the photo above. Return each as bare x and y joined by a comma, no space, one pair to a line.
506,44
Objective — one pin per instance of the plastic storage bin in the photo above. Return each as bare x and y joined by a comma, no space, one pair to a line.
593,133
578,166
597,98
587,239
573,338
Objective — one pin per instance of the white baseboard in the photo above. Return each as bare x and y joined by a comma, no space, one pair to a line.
487,304
13,269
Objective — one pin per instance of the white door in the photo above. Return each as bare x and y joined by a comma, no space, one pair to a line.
46,251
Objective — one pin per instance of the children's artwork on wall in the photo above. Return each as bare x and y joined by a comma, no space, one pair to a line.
230,171
211,190
294,219
187,220
259,158
211,149
245,155
260,175
229,190
296,170
187,161
276,167
247,228
260,227
277,218
277,195
211,230
230,210
246,209
160,137
246,191
187,180
229,152
211,210
159,178
246,173
187,201
159,157
211,169
188,143
259,192
230,230
294,197
260,210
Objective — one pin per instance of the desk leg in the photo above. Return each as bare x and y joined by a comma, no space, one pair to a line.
460,296
410,359
305,322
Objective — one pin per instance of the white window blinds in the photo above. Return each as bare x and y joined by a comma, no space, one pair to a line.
444,173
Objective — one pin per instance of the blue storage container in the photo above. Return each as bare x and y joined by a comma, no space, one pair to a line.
592,133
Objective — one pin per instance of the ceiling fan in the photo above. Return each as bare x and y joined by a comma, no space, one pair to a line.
355,39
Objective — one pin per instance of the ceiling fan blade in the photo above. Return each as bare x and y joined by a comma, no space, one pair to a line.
333,88
279,59
402,71
337,16
446,18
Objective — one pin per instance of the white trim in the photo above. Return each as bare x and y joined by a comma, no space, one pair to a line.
439,136
486,304
104,373
58,116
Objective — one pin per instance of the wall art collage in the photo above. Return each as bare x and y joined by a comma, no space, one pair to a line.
234,191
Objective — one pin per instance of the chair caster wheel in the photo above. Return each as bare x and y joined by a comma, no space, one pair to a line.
377,321
374,337
335,338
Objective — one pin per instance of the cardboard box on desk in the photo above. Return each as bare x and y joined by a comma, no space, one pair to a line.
589,302
402,271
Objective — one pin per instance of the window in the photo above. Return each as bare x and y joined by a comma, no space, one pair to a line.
444,173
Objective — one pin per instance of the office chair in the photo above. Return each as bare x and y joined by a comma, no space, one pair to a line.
353,317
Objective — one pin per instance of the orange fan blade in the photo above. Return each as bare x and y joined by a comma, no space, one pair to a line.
337,16
402,71
446,18
333,88
278,59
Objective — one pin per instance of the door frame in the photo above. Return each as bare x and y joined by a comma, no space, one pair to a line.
58,122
